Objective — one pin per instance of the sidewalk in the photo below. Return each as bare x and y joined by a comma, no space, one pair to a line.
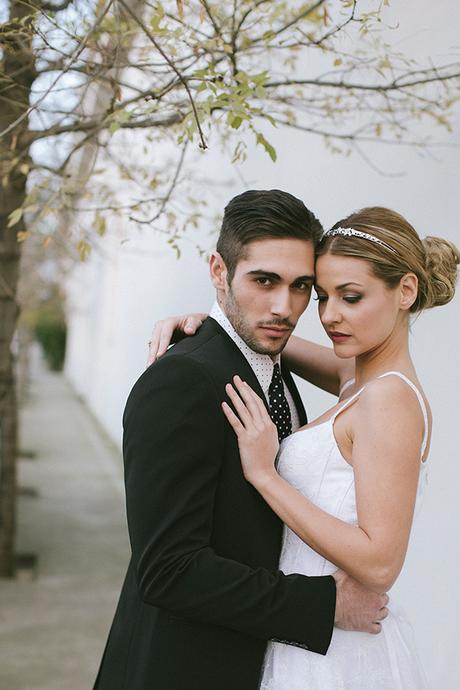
53,629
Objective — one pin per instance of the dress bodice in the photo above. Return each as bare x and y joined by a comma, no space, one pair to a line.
311,461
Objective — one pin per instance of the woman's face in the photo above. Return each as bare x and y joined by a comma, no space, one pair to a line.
358,311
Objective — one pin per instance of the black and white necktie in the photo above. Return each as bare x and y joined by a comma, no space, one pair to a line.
279,406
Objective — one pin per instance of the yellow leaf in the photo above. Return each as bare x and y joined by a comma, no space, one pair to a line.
15,216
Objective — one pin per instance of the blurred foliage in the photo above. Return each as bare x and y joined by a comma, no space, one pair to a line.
46,320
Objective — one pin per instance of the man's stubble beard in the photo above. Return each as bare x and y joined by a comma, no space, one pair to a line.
235,315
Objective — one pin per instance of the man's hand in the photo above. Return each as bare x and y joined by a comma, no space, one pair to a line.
358,608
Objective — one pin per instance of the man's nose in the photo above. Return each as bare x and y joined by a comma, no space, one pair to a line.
281,304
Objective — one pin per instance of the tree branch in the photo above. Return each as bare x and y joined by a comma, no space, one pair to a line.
293,21
169,192
51,7
394,85
181,78
73,58
165,121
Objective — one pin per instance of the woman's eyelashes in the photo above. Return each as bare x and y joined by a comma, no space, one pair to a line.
350,299
319,298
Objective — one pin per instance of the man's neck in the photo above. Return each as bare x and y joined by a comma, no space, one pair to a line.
274,358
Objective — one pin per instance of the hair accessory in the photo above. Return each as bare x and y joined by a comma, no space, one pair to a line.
351,232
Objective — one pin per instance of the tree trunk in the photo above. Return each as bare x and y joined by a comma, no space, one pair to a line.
16,79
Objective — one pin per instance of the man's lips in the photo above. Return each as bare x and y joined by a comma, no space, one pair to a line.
276,330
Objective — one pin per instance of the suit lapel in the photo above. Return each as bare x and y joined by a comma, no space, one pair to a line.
236,362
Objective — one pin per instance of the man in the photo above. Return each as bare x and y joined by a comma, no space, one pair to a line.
202,594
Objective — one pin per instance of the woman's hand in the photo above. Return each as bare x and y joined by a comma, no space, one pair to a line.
171,330
257,434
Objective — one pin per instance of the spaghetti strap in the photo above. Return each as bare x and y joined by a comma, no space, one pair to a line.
402,376
347,403
420,400
346,385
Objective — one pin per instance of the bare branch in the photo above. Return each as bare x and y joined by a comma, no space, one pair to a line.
183,81
395,85
169,192
73,58
215,25
295,20
95,125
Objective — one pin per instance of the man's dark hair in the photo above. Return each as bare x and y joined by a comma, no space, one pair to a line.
260,215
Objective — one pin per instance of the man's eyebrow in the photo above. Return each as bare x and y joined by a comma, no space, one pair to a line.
275,276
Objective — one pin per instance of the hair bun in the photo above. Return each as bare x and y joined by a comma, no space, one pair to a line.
442,259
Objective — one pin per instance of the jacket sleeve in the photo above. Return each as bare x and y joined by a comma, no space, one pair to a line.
174,434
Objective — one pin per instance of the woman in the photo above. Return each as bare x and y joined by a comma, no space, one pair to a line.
346,485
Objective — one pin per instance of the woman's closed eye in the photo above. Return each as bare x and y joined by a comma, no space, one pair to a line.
351,299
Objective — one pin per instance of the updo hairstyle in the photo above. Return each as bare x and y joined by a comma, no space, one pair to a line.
433,260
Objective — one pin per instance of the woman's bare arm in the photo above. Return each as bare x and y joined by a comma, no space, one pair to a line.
386,468
318,364
312,362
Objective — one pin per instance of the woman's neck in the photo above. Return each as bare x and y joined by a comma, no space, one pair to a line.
392,355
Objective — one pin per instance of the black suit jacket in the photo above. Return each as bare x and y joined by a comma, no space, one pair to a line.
202,595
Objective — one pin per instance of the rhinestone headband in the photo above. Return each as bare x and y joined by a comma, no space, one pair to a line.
351,232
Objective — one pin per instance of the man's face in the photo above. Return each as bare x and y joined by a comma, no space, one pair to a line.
271,288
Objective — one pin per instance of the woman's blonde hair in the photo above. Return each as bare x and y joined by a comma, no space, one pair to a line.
433,260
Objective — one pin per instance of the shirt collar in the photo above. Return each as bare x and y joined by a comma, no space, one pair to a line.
262,365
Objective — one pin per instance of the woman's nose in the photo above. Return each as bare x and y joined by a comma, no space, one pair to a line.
330,313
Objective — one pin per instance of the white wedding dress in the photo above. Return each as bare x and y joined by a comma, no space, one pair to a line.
311,461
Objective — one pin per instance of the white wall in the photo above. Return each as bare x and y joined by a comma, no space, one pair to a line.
115,299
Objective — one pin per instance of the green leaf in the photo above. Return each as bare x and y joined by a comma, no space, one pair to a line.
114,126
84,249
15,216
267,146
100,224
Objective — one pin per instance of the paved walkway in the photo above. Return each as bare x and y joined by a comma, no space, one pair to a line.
53,628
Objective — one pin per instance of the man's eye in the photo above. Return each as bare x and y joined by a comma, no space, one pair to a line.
265,282
302,286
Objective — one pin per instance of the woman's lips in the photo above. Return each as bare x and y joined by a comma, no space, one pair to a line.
338,337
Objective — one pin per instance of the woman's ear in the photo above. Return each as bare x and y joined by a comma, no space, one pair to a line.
408,288
218,271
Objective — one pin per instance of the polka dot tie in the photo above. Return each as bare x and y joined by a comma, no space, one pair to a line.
279,406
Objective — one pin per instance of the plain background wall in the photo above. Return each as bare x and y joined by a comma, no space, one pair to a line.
115,298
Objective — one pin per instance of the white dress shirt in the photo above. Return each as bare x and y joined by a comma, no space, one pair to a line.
262,365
